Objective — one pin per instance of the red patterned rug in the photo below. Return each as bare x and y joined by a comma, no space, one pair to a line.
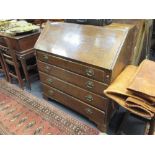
24,114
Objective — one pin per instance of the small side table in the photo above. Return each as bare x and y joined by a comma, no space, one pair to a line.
23,57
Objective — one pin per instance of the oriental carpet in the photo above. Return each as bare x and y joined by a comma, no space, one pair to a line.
21,113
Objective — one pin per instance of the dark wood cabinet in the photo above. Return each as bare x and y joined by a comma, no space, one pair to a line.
19,49
77,63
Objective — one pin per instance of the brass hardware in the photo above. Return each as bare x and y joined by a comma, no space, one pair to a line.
47,68
89,98
51,92
88,111
90,84
107,76
49,81
45,57
89,72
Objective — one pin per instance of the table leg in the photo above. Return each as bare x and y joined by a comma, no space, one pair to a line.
24,66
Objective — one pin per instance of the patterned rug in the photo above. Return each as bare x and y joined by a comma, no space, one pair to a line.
24,114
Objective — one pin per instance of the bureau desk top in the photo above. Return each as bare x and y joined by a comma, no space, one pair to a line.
98,46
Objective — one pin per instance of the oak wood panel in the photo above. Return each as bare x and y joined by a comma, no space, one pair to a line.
24,43
85,96
92,113
90,72
73,78
95,45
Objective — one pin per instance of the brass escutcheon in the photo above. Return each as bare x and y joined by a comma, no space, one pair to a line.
49,81
45,57
51,92
89,98
88,111
89,72
90,84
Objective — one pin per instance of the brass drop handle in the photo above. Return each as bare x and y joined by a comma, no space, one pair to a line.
88,111
90,84
45,57
49,81
89,72
89,98
51,92
47,68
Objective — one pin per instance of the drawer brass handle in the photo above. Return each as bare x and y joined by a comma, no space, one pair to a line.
49,81
89,98
45,57
90,84
47,68
88,111
51,92
89,72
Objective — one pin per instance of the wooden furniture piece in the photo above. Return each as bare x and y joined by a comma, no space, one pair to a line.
26,58
21,50
77,62
142,38
2,67
152,126
12,65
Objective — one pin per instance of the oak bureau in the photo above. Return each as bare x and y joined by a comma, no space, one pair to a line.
77,62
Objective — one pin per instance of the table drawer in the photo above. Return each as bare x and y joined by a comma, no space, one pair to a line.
76,79
86,96
28,42
92,113
90,72
24,43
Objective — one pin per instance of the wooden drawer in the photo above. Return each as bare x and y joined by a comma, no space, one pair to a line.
29,42
25,43
86,96
76,79
92,113
93,73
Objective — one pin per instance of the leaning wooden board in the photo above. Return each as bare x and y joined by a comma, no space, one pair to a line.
77,62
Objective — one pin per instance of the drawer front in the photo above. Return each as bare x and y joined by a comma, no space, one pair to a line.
23,43
28,42
93,73
86,96
76,79
92,113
